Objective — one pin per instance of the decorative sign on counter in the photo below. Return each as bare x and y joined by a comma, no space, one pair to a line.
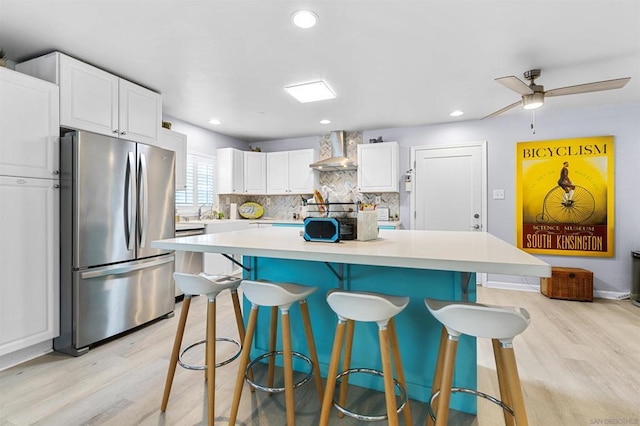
251,210
565,196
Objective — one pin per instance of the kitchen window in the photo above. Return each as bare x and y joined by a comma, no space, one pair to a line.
200,183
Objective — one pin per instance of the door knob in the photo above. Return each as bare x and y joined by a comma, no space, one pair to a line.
476,226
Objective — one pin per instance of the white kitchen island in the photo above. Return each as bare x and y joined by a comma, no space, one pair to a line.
418,264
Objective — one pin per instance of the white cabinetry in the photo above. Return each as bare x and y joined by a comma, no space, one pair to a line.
29,261
29,142
95,100
378,167
288,172
255,173
215,263
176,142
229,171
29,215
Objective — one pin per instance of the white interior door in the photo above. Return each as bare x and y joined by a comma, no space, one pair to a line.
450,188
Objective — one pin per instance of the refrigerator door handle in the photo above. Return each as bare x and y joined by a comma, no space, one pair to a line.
143,202
126,268
129,196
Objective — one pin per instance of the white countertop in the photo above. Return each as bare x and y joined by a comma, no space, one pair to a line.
441,250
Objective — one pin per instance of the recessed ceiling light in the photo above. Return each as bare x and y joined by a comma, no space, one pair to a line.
214,121
456,113
304,18
311,92
325,121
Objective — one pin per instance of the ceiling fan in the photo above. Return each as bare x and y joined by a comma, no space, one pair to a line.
533,94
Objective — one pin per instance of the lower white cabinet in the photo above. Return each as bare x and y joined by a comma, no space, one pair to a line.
29,262
215,263
176,142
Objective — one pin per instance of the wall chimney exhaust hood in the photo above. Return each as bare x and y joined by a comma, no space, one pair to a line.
338,160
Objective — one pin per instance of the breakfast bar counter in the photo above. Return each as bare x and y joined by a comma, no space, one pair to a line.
418,264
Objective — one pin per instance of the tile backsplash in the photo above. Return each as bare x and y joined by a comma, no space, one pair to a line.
284,206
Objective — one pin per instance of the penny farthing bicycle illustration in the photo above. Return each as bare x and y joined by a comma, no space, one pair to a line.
556,208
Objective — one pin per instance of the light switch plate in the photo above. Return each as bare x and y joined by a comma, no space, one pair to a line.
498,194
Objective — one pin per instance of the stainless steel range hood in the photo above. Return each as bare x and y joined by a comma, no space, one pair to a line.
338,159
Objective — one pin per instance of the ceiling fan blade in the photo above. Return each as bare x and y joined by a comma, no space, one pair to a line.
515,84
588,87
500,111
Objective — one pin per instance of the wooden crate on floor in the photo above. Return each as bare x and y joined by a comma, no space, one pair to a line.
568,284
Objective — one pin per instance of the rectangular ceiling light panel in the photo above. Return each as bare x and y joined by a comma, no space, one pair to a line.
311,92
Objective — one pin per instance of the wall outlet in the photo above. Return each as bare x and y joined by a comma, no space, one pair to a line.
498,194
378,199
267,201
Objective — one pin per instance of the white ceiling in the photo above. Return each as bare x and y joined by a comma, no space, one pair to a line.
391,63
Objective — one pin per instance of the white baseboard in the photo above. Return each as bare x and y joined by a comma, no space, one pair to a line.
600,294
26,354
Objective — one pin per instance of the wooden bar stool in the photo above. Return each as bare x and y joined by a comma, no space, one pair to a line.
277,296
501,325
210,286
368,307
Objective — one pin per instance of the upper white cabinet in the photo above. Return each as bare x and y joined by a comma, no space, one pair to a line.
378,167
29,126
229,171
288,172
140,113
95,100
255,172
177,142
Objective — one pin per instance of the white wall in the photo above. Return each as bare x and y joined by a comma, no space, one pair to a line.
611,275
202,140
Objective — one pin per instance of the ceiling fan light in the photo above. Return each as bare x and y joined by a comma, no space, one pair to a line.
533,101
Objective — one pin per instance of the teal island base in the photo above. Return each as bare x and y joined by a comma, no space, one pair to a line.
418,332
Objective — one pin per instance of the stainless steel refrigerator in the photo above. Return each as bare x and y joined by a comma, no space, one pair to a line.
116,197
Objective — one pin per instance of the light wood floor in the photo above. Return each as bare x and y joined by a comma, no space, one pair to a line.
579,364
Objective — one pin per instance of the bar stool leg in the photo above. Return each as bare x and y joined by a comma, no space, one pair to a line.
515,389
242,366
451,346
505,393
311,344
327,401
173,362
211,360
240,324
387,370
346,364
288,368
273,332
437,377
397,360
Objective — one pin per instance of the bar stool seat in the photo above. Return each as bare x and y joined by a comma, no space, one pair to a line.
210,286
498,323
278,296
351,306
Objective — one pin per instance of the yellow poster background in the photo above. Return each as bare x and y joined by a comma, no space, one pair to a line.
552,220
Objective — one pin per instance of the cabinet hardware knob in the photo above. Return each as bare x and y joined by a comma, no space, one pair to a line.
123,133
56,172
56,186
115,131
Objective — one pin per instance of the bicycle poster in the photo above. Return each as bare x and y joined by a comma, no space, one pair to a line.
564,196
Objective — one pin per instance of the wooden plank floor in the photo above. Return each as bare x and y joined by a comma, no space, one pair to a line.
579,364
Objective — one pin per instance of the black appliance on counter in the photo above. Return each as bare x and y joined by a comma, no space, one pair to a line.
330,229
